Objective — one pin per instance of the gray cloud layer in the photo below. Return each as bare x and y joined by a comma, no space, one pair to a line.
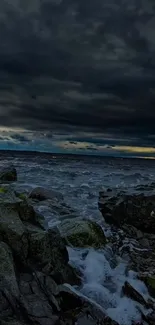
70,65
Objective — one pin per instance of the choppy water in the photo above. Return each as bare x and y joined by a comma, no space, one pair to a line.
80,181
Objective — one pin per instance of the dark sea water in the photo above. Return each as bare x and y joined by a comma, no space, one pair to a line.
80,179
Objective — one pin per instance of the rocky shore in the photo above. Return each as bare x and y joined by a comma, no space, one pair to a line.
38,285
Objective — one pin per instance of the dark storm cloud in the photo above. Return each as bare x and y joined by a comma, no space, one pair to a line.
19,137
72,66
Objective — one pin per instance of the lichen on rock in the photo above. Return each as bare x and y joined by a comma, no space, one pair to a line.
82,233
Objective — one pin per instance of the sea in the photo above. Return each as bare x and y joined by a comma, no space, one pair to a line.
79,179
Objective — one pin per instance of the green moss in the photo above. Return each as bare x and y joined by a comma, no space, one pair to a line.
151,282
82,233
22,196
3,190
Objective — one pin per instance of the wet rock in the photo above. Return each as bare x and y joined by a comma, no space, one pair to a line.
73,300
150,318
149,279
8,174
54,210
41,194
61,209
82,233
84,320
132,293
137,210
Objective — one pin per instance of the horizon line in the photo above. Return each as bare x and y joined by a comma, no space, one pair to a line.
19,151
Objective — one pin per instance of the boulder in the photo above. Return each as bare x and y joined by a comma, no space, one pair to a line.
137,210
41,194
71,299
47,252
54,211
12,230
28,213
9,291
7,273
82,233
38,309
8,174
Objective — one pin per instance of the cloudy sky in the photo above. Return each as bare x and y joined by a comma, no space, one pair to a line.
78,76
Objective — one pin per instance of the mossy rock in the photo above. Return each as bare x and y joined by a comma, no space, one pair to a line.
150,282
8,174
82,233
3,189
21,196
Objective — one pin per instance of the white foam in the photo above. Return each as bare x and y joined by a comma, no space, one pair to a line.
125,312
100,294
103,285
97,268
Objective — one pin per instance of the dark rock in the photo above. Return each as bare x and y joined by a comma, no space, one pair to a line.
84,320
82,233
27,213
12,230
8,174
37,308
48,252
149,279
142,261
71,299
41,194
5,307
137,210
10,321
150,318
132,293
7,272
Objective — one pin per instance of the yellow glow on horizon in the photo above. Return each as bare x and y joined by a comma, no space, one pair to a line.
131,149
151,158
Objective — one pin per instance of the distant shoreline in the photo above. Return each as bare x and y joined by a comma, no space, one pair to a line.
68,155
